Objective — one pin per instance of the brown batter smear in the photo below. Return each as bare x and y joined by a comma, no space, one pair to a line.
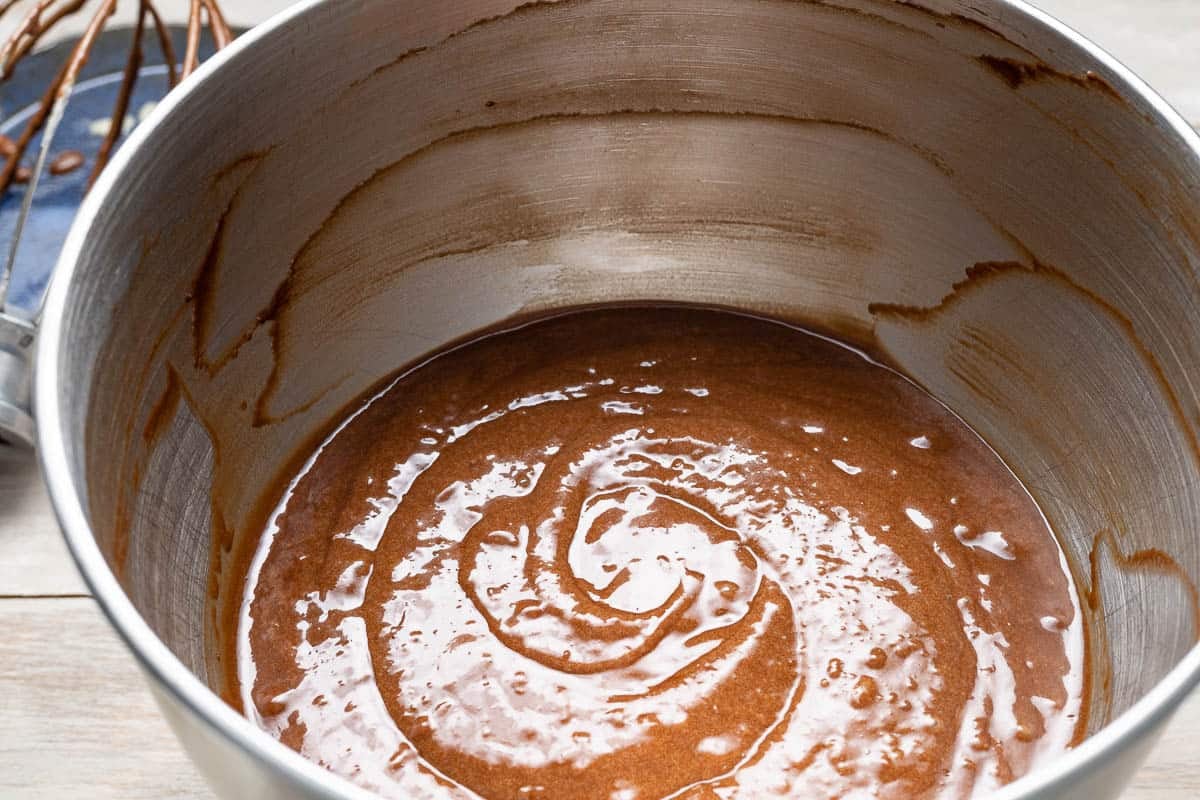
660,552
66,162
1017,73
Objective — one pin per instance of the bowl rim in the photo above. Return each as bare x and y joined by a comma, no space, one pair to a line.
208,709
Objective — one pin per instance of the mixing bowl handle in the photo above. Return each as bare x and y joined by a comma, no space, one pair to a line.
17,337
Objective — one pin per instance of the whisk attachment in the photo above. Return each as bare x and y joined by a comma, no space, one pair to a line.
18,331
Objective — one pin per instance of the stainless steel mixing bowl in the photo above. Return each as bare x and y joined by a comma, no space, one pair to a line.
964,185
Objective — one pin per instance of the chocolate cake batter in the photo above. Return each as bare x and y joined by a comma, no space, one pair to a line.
660,552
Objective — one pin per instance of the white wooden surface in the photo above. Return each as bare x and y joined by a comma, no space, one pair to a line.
75,717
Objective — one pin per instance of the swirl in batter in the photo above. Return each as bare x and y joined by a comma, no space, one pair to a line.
660,552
